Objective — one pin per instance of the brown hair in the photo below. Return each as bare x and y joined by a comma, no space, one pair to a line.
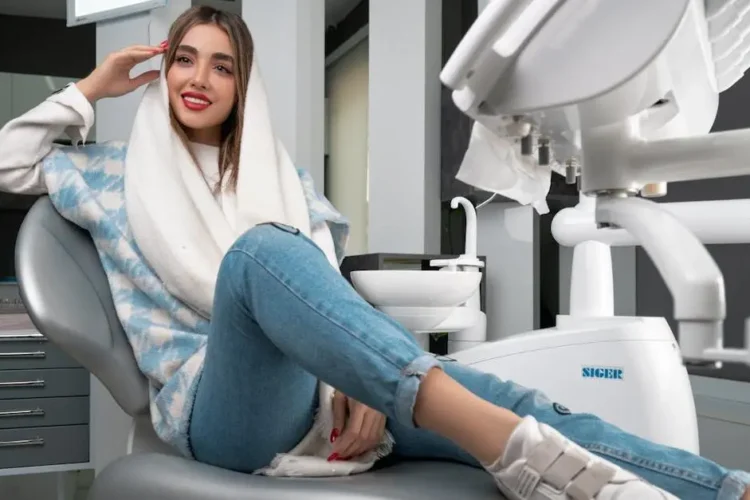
242,44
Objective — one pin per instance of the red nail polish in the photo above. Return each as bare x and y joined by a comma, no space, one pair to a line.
334,435
164,43
333,457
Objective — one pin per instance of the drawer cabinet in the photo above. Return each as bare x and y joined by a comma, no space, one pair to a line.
37,446
44,412
25,352
44,401
22,384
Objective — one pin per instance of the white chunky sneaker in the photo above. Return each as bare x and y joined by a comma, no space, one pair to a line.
541,464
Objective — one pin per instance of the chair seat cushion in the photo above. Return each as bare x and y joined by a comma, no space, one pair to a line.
152,476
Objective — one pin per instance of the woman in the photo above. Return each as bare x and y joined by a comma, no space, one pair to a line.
223,266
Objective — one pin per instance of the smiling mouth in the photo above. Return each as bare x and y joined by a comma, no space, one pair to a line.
194,102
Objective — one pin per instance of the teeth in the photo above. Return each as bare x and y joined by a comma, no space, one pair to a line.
195,100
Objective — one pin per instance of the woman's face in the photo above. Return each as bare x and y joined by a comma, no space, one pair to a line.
201,82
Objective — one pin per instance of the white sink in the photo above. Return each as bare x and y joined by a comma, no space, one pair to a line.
459,319
419,319
406,288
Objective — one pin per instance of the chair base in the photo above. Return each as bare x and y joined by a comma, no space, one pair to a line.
150,476
143,438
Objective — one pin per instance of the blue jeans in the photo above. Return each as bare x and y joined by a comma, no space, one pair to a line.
284,318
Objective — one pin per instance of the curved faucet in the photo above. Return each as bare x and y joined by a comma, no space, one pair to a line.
470,245
468,259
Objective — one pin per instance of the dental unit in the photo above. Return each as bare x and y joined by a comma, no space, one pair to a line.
640,118
618,97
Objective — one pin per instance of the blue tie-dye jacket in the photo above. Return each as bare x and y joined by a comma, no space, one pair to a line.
86,185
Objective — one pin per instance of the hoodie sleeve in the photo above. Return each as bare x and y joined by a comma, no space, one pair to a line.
321,236
330,229
26,140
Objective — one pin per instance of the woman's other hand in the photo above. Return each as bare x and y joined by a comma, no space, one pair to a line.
357,428
112,77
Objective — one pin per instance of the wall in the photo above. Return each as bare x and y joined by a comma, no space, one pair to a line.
289,36
347,166
114,117
404,126
507,237
723,408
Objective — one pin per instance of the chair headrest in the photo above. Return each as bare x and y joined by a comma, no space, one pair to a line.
67,295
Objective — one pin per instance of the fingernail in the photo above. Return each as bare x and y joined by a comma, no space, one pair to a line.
164,43
334,435
333,457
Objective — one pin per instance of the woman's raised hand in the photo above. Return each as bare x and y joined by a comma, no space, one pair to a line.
112,77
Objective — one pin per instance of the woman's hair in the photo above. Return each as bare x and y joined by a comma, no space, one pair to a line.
242,43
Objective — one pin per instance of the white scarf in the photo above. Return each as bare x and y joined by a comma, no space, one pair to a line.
183,232
175,220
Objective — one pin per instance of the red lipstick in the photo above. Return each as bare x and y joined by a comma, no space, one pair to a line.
195,101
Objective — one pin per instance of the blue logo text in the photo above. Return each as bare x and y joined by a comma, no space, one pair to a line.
602,372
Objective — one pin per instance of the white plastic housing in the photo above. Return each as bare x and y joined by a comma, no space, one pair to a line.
570,364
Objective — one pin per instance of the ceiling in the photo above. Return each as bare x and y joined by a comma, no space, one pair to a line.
56,9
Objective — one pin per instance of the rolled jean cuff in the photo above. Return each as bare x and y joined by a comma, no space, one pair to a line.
734,486
406,394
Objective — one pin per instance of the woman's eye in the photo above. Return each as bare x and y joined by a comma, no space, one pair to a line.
223,69
183,60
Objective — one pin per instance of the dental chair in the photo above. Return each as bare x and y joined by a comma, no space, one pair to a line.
65,290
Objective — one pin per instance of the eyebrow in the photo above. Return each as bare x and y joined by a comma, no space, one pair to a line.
219,56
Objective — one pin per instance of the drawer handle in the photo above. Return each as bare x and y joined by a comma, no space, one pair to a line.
23,337
22,442
38,412
28,384
23,355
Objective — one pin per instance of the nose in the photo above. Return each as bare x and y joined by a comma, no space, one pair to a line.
200,76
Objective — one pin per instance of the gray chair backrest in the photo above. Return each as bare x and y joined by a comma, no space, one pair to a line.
67,295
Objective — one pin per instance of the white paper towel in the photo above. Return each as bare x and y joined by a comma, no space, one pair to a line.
493,163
